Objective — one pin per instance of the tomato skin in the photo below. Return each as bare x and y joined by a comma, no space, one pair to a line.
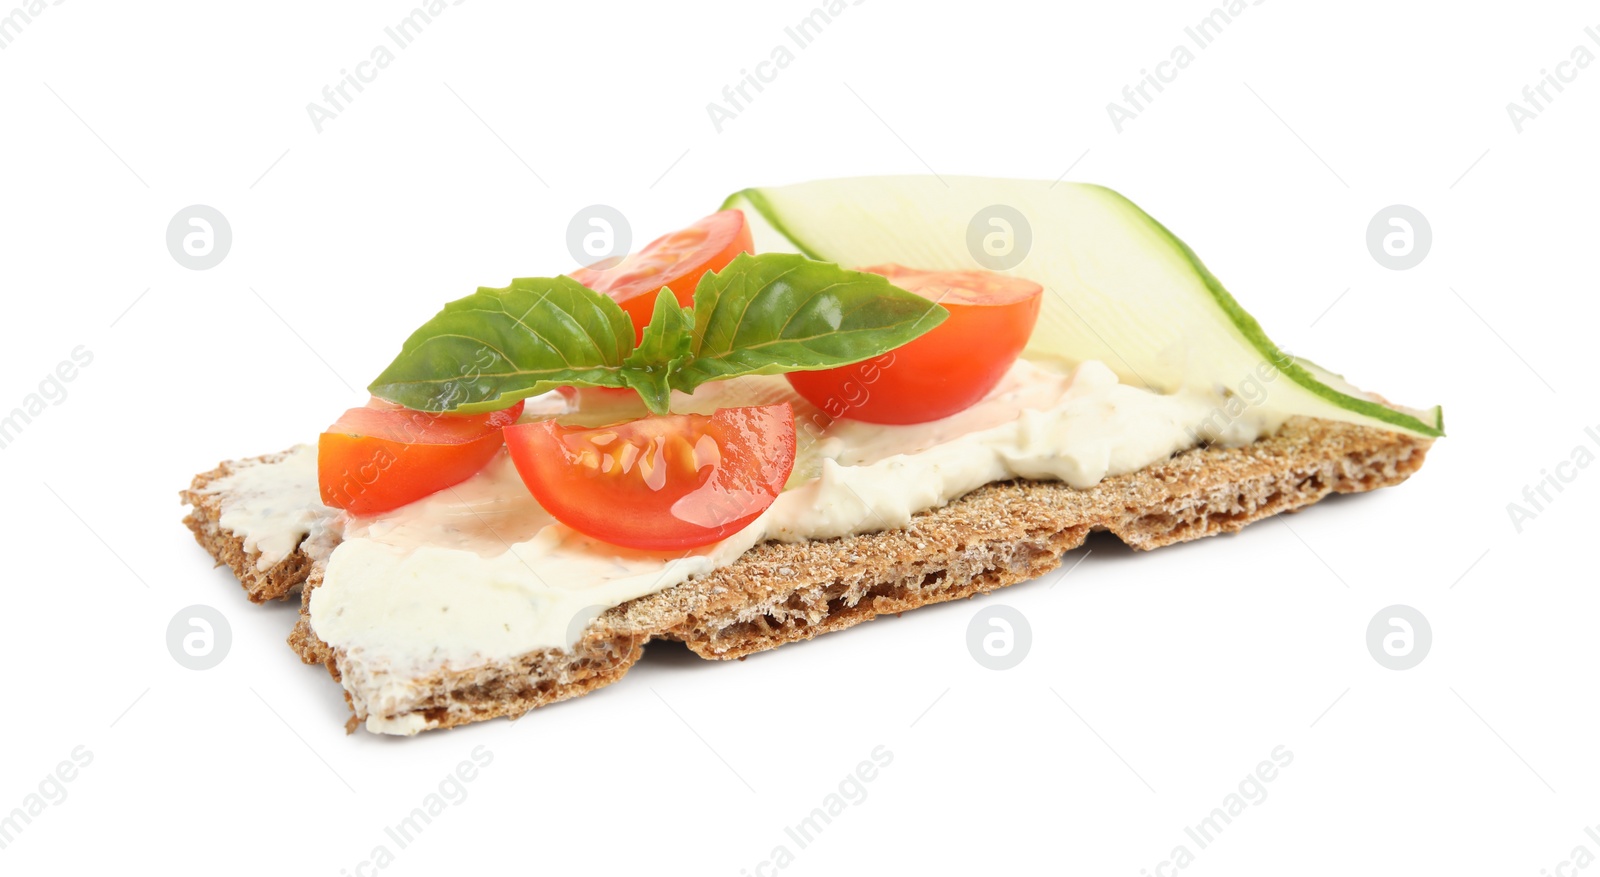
664,483
675,260
944,371
383,456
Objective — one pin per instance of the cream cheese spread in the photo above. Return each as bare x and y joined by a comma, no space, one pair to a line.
273,506
479,573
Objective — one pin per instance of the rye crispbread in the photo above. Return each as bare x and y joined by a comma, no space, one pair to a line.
275,582
776,593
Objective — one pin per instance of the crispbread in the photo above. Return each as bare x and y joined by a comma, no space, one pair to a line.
274,582
776,593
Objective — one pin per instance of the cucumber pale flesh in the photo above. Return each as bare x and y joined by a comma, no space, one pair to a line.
1120,288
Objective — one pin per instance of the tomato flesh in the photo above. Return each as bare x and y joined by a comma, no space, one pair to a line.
664,483
943,371
383,456
675,260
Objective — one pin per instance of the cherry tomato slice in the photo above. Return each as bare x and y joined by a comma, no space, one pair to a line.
662,483
383,456
673,260
944,371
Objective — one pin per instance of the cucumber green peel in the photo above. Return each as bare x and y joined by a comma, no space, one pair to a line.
1121,288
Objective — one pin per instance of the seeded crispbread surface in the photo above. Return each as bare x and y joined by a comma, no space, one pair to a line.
995,536
275,582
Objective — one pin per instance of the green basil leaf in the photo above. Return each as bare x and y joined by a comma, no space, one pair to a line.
668,335
661,350
780,312
496,346
760,315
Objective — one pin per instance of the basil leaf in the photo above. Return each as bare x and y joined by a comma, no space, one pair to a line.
661,350
760,315
667,337
781,312
496,346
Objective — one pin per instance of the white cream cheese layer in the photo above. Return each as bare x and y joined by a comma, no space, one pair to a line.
274,507
480,573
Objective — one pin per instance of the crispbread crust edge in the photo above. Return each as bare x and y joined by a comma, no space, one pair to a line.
995,536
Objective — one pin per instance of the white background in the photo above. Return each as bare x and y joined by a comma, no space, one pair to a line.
462,164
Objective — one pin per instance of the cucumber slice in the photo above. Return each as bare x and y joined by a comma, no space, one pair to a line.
1120,288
